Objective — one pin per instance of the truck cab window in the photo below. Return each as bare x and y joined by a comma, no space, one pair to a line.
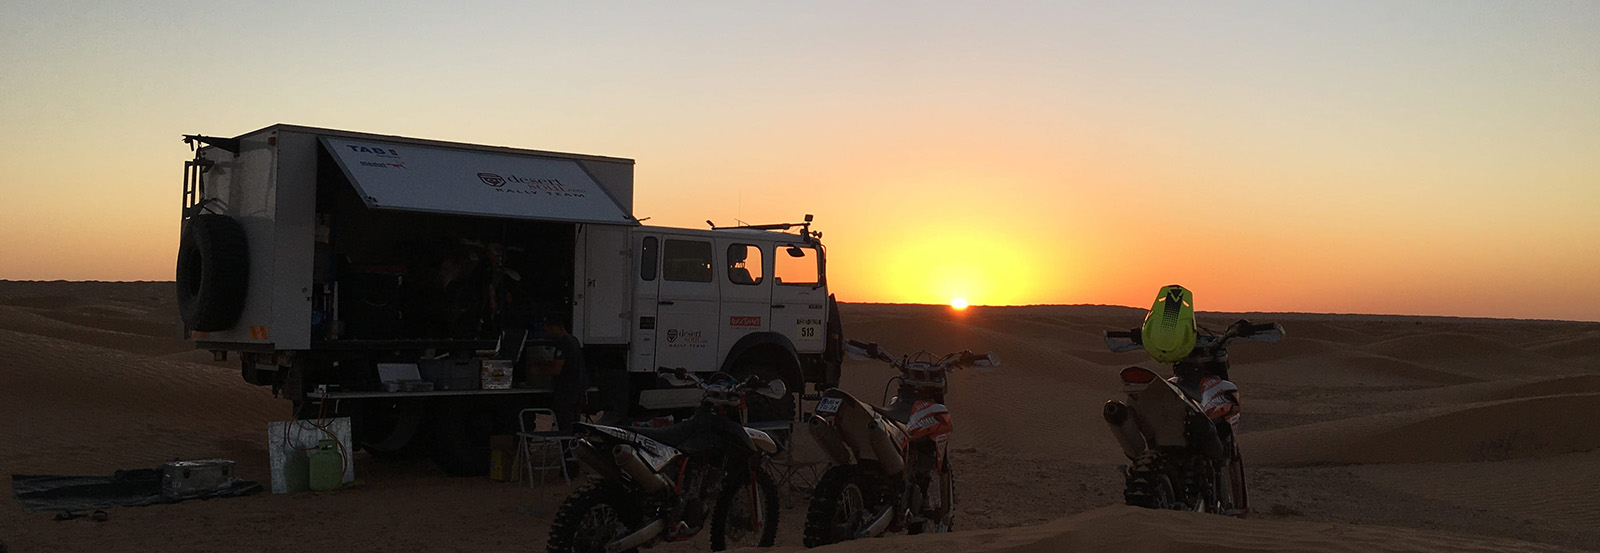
647,259
796,265
744,264
687,261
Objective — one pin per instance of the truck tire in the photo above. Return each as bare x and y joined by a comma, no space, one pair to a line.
393,430
213,272
461,433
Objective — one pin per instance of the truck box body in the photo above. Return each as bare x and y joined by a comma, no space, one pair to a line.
300,193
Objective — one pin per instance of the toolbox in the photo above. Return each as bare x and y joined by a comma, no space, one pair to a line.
191,478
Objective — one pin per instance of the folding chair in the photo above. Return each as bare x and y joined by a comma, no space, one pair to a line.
541,450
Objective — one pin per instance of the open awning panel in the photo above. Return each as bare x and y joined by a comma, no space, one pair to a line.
444,180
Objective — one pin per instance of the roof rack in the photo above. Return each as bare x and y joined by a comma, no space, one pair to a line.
805,228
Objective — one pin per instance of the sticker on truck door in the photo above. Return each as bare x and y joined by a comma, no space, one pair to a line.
808,330
692,339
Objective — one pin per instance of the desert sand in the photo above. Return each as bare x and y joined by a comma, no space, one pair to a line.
1362,433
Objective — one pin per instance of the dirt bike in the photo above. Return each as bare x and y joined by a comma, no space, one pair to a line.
891,468
1179,432
663,484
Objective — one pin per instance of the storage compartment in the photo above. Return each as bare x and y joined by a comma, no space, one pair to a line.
357,240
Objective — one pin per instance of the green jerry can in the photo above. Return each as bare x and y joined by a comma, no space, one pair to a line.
327,466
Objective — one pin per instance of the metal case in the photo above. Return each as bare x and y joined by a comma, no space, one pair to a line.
180,479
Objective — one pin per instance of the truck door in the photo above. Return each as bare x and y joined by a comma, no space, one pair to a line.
799,298
746,291
686,304
604,299
646,294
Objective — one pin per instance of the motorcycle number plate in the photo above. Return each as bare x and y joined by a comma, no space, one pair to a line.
828,405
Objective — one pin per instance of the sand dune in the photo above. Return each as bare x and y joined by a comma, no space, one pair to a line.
1488,431
1586,346
1128,529
1471,355
1495,390
1380,433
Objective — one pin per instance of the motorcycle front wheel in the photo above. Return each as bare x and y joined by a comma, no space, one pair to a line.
591,518
841,505
746,513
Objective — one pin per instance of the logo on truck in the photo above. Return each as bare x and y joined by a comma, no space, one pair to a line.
745,321
374,150
677,338
492,179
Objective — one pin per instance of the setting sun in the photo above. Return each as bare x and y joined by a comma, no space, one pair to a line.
959,303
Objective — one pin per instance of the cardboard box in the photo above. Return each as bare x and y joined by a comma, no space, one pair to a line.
497,375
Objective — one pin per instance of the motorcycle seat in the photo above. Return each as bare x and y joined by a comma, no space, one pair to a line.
1191,392
899,412
684,436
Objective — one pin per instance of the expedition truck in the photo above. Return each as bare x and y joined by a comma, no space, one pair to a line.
383,278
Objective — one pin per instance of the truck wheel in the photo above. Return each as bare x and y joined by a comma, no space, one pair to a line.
213,272
763,408
393,431
461,433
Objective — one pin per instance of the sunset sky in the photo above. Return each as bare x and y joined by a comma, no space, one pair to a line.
1371,157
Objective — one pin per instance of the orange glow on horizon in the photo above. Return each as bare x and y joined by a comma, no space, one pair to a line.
1324,158
958,304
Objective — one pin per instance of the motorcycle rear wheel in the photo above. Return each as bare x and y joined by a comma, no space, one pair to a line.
1147,487
840,507
592,517
734,515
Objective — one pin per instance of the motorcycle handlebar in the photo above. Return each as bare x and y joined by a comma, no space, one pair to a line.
752,382
872,350
1131,334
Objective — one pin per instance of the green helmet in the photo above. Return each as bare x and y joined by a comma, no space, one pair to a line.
1168,332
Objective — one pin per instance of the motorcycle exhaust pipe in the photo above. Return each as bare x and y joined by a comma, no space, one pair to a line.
882,448
637,538
1125,429
630,463
590,457
829,440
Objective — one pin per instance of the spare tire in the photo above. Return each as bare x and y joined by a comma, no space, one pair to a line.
213,272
